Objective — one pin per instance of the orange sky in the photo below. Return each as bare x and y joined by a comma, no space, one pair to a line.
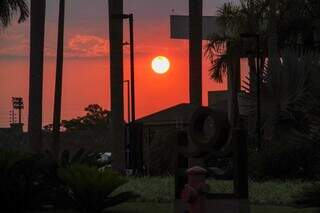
86,68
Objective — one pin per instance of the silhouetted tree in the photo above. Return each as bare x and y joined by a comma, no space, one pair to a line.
96,119
290,100
11,8
248,17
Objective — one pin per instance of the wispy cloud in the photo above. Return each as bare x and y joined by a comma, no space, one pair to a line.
14,45
87,46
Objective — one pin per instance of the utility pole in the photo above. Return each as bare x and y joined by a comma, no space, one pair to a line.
58,83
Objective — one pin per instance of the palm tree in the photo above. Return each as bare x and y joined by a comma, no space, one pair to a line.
58,86
10,8
280,24
36,73
290,103
248,17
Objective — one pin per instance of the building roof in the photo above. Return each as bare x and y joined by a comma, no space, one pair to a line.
173,115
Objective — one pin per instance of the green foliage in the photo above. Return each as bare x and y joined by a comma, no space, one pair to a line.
309,197
10,8
81,157
89,188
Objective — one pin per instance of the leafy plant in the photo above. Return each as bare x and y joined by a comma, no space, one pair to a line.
90,188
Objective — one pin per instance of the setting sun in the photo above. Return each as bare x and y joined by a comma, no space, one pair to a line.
160,64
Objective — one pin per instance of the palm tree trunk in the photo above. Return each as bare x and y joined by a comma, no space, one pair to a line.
273,38
116,78
235,88
58,85
195,52
36,74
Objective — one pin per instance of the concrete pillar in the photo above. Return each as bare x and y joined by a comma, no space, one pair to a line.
116,78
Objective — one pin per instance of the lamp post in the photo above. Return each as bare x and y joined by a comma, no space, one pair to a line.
133,146
131,43
127,140
258,76
128,98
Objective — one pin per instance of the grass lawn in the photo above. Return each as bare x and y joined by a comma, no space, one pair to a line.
161,190
168,208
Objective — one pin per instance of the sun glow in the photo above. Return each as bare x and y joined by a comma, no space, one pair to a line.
160,64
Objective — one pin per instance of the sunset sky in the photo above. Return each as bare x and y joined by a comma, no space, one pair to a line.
86,67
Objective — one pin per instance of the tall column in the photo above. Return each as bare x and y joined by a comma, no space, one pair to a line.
195,52
36,74
116,78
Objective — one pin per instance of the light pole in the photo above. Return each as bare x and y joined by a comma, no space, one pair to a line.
258,76
131,43
128,98
132,123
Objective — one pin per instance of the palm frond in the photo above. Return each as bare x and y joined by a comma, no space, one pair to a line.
11,8
219,67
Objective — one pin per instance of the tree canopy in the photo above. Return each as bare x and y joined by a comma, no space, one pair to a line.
96,118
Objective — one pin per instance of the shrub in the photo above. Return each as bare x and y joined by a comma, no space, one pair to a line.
89,189
23,184
285,160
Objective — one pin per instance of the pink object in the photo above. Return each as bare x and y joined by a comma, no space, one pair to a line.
194,193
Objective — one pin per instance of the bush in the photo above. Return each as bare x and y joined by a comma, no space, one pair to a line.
290,160
23,183
89,189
